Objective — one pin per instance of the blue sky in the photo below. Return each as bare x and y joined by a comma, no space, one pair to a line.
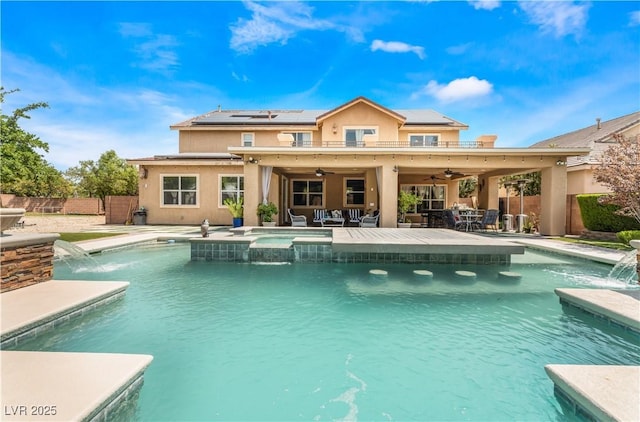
117,74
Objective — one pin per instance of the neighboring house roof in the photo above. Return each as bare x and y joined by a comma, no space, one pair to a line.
587,136
424,117
598,137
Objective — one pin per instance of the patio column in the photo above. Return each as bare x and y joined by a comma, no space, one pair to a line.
488,192
553,201
252,194
388,197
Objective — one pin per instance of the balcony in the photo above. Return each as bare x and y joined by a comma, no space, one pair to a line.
387,144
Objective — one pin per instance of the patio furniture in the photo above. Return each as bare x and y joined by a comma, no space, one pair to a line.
333,218
297,220
489,219
319,215
355,216
470,218
453,219
369,221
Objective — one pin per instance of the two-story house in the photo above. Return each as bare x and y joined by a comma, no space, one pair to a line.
357,155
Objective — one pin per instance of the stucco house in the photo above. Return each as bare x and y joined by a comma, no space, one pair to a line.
597,137
358,155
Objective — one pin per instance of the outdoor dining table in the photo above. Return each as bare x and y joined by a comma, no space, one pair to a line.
469,217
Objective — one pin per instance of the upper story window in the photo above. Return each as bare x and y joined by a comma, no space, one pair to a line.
231,186
423,140
353,137
354,192
300,139
247,139
308,193
179,190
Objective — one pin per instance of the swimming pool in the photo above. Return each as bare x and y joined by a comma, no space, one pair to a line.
330,341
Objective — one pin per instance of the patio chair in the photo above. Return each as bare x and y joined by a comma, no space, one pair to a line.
369,221
490,218
320,215
453,219
355,216
297,220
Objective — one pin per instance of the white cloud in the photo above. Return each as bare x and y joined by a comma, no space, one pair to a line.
277,22
459,89
155,51
634,18
397,47
485,4
84,120
558,17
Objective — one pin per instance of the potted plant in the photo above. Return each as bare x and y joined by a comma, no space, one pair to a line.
266,213
236,208
406,201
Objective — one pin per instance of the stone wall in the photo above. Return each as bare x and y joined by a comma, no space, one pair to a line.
26,260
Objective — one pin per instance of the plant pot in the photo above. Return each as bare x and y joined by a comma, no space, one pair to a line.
238,222
404,225
268,223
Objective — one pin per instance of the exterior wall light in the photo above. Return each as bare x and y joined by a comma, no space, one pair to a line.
252,160
561,162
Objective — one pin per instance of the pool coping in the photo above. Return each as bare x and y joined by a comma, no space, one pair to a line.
598,392
615,307
65,386
31,310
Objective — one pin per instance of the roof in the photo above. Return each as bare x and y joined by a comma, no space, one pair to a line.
589,135
275,117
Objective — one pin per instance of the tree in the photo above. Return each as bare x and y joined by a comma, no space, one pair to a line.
24,171
467,186
619,170
533,182
110,175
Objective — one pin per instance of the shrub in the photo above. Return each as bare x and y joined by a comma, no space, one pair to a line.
628,235
603,217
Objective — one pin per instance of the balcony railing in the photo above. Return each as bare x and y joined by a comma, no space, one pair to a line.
387,144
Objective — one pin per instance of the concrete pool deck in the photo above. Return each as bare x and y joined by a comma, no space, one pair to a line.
376,238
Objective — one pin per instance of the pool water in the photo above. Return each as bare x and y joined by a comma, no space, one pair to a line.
332,342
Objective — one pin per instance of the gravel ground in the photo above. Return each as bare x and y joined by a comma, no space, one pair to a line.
59,223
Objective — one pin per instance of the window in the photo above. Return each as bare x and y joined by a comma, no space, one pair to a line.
247,139
301,139
354,192
308,193
423,140
231,187
179,190
433,196
354,137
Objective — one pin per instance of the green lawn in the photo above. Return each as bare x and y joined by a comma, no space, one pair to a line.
601,243
77,237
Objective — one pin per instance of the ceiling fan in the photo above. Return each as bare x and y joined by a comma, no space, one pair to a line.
320,172
448,173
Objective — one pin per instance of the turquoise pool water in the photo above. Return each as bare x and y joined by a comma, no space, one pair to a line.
332,342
